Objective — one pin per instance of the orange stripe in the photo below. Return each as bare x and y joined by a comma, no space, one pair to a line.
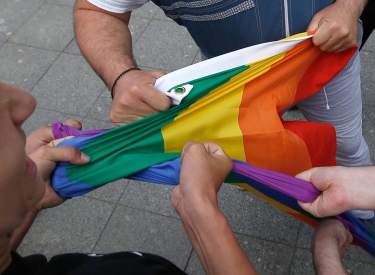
267,143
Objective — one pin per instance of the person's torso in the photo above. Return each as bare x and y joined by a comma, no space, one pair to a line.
221,26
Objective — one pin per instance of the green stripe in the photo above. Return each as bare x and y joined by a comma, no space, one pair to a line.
133,147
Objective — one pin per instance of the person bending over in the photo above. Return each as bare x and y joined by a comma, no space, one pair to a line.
25,168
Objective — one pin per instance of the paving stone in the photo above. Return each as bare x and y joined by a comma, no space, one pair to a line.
368,128
357,267
51,27
69,86
23,66
160,15
42,117
356,253
293,115
148,10
302,263
368,77
198,58
74,226
304,236
73,48
165,45
110,192
370,43
267,257
249,215
136,230
14,13
137,25
91,124
101,108
69,3
151,197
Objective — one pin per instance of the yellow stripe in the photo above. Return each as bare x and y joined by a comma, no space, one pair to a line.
192,124
221,109
296,36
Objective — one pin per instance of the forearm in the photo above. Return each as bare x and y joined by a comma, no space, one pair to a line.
326,257
104,40
361,187
357,6
21,231
214,241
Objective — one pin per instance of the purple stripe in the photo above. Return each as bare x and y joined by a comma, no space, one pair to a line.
299,189
60,130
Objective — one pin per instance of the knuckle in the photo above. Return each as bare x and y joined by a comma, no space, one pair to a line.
72,152
196,147
165,105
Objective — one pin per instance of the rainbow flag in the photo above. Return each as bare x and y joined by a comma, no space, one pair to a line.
235,100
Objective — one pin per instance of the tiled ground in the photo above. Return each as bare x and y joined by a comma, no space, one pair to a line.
39,54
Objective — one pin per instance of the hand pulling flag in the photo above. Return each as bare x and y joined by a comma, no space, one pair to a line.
235,100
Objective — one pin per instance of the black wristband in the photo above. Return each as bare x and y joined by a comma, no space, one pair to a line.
119,76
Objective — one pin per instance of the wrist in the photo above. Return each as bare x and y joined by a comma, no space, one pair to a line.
199,209
120,76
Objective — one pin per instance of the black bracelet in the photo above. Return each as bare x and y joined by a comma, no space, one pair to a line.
119,76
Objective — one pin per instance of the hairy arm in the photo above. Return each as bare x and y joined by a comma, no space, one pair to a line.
105,41
329,243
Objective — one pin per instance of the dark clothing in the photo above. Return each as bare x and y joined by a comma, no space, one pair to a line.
219,27
368,19
122,263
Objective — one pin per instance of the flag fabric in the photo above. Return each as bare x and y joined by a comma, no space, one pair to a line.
235,100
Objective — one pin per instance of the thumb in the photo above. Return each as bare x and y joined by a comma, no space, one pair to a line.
306,175
214,149
66,153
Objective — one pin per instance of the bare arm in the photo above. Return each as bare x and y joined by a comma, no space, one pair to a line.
105,41
204,167
329,243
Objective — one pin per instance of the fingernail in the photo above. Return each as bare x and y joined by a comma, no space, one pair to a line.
85,157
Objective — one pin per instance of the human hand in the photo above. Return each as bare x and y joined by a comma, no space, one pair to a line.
44,135
135,97
336,26
45,158
343,189
204,168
